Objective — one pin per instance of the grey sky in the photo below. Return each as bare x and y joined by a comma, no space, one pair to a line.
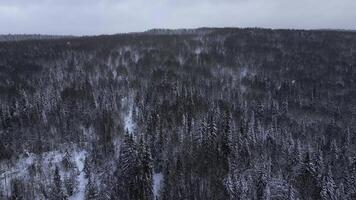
88,17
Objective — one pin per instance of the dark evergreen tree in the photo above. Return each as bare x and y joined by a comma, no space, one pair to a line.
16,190
67,162
328,191
261,186
71,181
57,192
87,167
91,192
134,173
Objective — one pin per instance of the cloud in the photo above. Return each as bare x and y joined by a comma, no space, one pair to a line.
87,17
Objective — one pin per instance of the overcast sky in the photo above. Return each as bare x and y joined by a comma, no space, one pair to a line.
88,17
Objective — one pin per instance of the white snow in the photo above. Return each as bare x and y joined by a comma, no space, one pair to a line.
198,50
117,145
18,169
157,183
114,73
181,60
243,72
79,158
129,123
9,171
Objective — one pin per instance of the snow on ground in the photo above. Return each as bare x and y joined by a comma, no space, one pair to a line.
79,158
9,171
243,72
157,183
19,169
117,145
129,123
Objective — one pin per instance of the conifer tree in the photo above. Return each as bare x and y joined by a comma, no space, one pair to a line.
57,192
328,191
134,173
67,161
16,190
91,192
71,181
87,167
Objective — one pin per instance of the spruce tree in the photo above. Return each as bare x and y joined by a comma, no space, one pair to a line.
57,192
328,191
16,190
67,162
91,192
134,173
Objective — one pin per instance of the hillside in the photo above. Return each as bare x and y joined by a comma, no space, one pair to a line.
212,113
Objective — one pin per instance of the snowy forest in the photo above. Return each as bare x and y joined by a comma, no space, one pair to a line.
196,114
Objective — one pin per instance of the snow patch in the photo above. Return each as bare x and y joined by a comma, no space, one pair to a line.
18,169
79,158
157,183
117,145
198,50
243,72
129,124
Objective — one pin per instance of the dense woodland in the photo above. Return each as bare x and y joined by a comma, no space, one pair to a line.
22,37
168,115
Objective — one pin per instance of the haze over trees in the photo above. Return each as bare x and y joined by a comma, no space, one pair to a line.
180,114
